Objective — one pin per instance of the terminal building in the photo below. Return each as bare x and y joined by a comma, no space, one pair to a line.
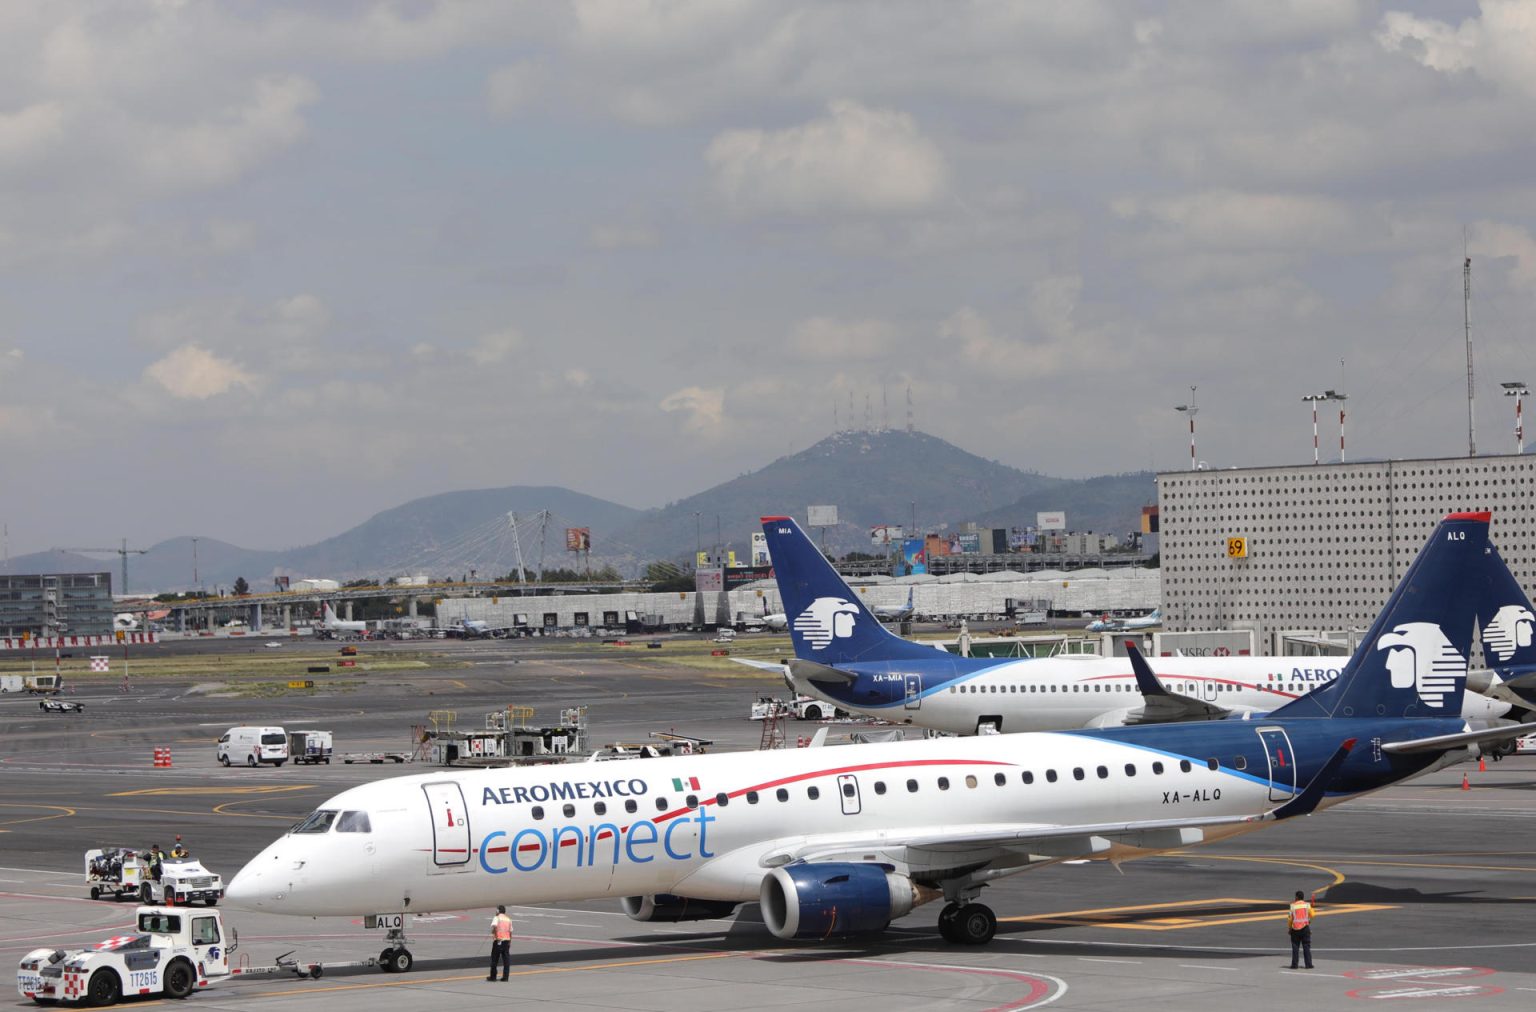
1305,550
56,604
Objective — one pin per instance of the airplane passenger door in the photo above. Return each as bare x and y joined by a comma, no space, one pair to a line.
914,690
450,824
1209,690
848,793
1282,763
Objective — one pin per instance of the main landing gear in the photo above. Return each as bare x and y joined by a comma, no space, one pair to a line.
396,958
967,923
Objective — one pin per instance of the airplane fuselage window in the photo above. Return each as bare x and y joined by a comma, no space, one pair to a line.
943,783
1029,777
1184,766
722,799
879,786
1241,762
847,790
1077,773
1130,769
1211,763
661,804
911,786
692,801
970,781
1157,768
353,822
599,808
1050,776
1103,772
751,797
568,810
999,779
781,794
318,822
630,806
813,792
537,811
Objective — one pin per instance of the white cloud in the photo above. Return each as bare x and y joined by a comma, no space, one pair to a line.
703,409
30,132
1497,46
1228,219
493,348
219,150
823,337
194,373
1502,240
854,159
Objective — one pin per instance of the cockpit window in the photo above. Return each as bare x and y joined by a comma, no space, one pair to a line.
353,822
319,822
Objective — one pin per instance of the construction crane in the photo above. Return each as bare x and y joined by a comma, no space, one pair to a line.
124,551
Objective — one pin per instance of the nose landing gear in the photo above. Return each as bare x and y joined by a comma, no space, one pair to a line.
396,958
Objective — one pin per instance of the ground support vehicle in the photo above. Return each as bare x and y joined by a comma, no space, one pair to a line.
115,872
375,757
310,747
253,746
60,706
174,952
800,707
37,684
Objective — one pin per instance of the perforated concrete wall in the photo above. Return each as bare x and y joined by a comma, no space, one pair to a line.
1326,544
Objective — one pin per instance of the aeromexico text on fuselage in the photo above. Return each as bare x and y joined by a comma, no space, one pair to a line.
565,790
887,684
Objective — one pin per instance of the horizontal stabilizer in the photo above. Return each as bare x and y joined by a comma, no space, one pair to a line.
773,666
810,671
1446,742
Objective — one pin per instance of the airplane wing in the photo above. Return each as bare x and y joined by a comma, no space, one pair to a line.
1079,840
1445,742
1161,706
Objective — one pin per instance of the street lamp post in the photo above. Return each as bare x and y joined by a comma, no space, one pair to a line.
698,540
1518,391
1190,409
1313,399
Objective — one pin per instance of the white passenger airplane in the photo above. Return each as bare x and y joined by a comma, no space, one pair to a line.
862,667
1107,624
838,841
895,613
330,625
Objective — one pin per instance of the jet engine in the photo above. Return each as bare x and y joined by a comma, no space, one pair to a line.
821,900
666,908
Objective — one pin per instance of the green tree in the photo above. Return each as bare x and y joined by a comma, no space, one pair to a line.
241,587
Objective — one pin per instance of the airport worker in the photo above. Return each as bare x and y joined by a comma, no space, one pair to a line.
1299,920
156,855
180,850
501,943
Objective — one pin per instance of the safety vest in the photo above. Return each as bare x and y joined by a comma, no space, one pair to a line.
502,926
1301,915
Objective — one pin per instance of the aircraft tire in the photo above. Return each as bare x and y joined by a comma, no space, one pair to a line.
975,924
402,960
947,923
95,893
387,961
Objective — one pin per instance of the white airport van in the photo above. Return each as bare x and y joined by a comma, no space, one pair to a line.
253,746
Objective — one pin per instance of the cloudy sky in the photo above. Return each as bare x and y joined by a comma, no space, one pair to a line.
266,269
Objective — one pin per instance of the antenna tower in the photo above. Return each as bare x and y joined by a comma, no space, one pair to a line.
909,409
1466,317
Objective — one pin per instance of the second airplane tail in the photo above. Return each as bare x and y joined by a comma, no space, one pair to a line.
827,621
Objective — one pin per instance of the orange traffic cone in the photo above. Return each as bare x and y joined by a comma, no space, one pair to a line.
1465,784
1482,765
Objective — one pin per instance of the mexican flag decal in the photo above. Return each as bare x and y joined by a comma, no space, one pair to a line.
679,784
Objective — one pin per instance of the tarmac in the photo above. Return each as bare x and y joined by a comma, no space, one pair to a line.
1428,892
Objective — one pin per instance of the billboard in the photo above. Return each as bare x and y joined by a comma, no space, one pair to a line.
914,556
578,539
1149,520
706,580
1055,520
886,534
701,560
821,516
759,549
740,576
965,544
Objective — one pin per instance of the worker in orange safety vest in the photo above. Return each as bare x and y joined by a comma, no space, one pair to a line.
501,943
1299,920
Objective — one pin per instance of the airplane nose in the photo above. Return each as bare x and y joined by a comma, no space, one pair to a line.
244,890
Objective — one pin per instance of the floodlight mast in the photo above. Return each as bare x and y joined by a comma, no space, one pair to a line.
1518,391
1313,399
1192,410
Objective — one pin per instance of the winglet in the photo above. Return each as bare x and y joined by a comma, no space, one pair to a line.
1307,801
1146,681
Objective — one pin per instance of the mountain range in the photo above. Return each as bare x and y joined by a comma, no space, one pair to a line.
881,477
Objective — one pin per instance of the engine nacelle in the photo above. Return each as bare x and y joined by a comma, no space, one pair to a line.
666,908
822,900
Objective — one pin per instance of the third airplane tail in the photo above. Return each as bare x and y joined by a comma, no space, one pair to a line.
827,621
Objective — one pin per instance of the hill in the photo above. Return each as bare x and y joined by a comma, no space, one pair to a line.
1110,504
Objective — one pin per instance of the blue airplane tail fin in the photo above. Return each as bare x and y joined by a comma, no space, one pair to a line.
1413,661
827,621
1509,622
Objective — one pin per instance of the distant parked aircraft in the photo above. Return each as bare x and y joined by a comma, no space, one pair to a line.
330,625
1107,624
